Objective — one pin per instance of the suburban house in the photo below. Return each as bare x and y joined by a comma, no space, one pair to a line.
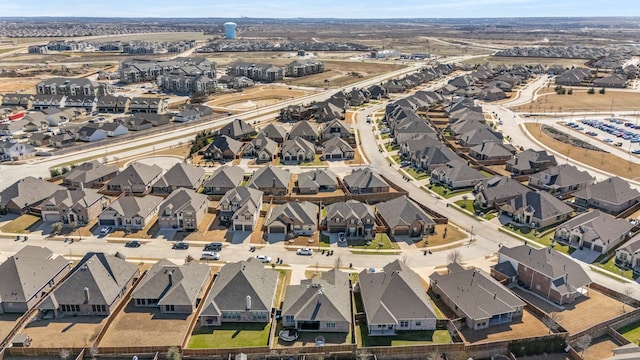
224,148
613,195
337,149
317,180
529,162
536,209
172,288
90,134
243,291
492,152
476,297
130,212
544,271
456,174
179,176
149,105
365,181
113,129
402,216
91,174
28,192
276,133
37,139
271,180
297,150
27,276
395,300
293,219
351,217
137,178
93,288
493,192
184,209
78,206
62,140
11,151
262,148
560,179
304,129
238,129
223,179
336,129
240,207
628,255
322,304
479,136
611,81
594,230
426,153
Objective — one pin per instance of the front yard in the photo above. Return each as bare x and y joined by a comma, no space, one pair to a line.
381,242
612,267
21,224
416,174
231,335
446,193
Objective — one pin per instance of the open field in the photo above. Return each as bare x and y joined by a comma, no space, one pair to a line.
601,160
255,98
78,331
582,101
231,335
21,84
7,323
146,327
527,326
506,60
341,73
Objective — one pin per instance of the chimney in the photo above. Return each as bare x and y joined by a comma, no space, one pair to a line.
273,182
248,302
494,296
529,251
170,274
86,295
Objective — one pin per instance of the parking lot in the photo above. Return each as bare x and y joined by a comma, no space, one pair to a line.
612,131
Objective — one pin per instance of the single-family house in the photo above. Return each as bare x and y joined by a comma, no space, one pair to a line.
337,149
594,230
114,128
91,174
365,181
297,150
62,140
224,147
560,179
137,178
628,254
456,175
494,192
223,179
179,176
293,219
536,209
130,212
78,206
304,129
529,162
317,180
613,195
491,151
184,209
90,134
238,129
240,208
336,128
262,148
28,192
352,217
39,139
274,132
271,180
11,150
403,217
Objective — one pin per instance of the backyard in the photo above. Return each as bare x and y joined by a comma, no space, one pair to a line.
230,335
402,337
631,332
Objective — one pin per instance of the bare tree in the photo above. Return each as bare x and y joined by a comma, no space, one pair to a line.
454,256
553,321
583,343
64,354
338,262
173,354
625,297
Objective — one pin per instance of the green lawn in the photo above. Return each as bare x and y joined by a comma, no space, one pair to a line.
490,216
439,313
20,224
612,267
631,332
396,158
403,337
324,240
390,146
467,210
446,193
230,335
381,242
385,136
416,174
466,204
316,161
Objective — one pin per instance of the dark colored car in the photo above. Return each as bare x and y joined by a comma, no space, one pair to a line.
132,244
180,246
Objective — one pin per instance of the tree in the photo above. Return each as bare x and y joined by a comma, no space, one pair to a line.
56,227
54,172
454,256
188,259
625,297
602,91
591,91
553,321
64,354
570,92
173,354
583,343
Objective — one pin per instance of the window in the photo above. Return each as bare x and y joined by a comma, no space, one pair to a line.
169,308
331,325
289,318
418,323
404,323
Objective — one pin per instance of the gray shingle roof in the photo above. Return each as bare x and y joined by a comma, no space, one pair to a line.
613,190
544,205
225,176
303,128
299,212
181,175
69,198
265,177
130,206
28,190
274,132
223,143
316,178
243,195
363,179
402,211
563,175
349,208
599,225
138,174
182,200
530,159
458,170
237,128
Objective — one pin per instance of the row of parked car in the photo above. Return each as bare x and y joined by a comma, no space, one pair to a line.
610,127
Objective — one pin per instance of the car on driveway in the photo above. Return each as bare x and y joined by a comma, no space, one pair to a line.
304,251
180,246
264,258
132,244
105,230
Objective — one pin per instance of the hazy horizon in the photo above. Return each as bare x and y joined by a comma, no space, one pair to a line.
285,9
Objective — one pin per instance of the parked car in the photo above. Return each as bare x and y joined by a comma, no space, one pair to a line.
214,246
180,246
264,258
132,244
305,251
209,255
105,230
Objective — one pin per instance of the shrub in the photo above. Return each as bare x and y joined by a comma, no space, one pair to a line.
591,91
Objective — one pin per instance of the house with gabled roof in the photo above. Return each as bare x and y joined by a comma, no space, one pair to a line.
223,179
304,129
130,212
240,207
78,206
594,230
536,209
243,291
237,129
274,132
63,140
137,178
317,180
271,180
171,287
25,193
183,209
612,195
402,216
476,297
479,136
395,300
492,152
113,104
336,128
456,174
530,161
354,218
223,147
91,174
496,191
293,219
365,181
297,150
10,150
321,304
628,254
93,288
179,176
27,276
546,272
560,179
262,148
337,149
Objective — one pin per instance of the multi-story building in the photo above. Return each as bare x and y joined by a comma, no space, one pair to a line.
71,87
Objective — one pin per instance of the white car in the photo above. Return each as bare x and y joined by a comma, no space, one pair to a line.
105,230
304,251
209,255
264,258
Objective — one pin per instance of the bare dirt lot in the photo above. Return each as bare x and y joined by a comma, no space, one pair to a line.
341,73
598,306
601,160
146,327
582,101
528,326
600,348
256,97
7,323
76,332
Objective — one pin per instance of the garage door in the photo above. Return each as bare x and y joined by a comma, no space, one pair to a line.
238,227
597,248
248,228
401,230
52,217
107,222
276,229
586,245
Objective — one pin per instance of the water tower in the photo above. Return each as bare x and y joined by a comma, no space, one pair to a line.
230,30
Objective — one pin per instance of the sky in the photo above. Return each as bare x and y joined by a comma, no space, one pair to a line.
319,8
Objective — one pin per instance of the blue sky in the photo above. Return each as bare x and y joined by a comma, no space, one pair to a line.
320,8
